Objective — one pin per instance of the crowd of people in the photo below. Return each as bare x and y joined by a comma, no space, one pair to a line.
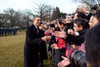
73,41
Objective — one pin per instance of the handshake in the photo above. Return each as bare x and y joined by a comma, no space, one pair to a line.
45,38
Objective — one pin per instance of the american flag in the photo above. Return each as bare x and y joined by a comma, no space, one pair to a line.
82,47
69,50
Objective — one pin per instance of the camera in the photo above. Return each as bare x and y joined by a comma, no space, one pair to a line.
78,58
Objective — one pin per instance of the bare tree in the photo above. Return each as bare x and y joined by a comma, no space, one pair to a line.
44,11
17,18
27,17
9,14
90,3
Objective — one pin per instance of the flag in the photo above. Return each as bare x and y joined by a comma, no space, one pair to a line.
82,47
61,43
68,51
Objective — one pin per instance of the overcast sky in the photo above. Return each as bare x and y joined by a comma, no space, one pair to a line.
67,6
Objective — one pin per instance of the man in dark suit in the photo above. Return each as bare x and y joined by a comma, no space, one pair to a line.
32,44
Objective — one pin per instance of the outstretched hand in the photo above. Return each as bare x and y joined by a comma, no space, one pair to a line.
61,34
54,46
45,38
71,32
64,62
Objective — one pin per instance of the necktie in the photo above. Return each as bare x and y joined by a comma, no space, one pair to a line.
38,30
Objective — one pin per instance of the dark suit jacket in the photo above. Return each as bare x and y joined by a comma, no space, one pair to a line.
31,48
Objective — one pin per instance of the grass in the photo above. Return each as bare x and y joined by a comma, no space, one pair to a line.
12,51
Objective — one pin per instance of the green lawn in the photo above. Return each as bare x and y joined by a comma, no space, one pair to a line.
12,49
